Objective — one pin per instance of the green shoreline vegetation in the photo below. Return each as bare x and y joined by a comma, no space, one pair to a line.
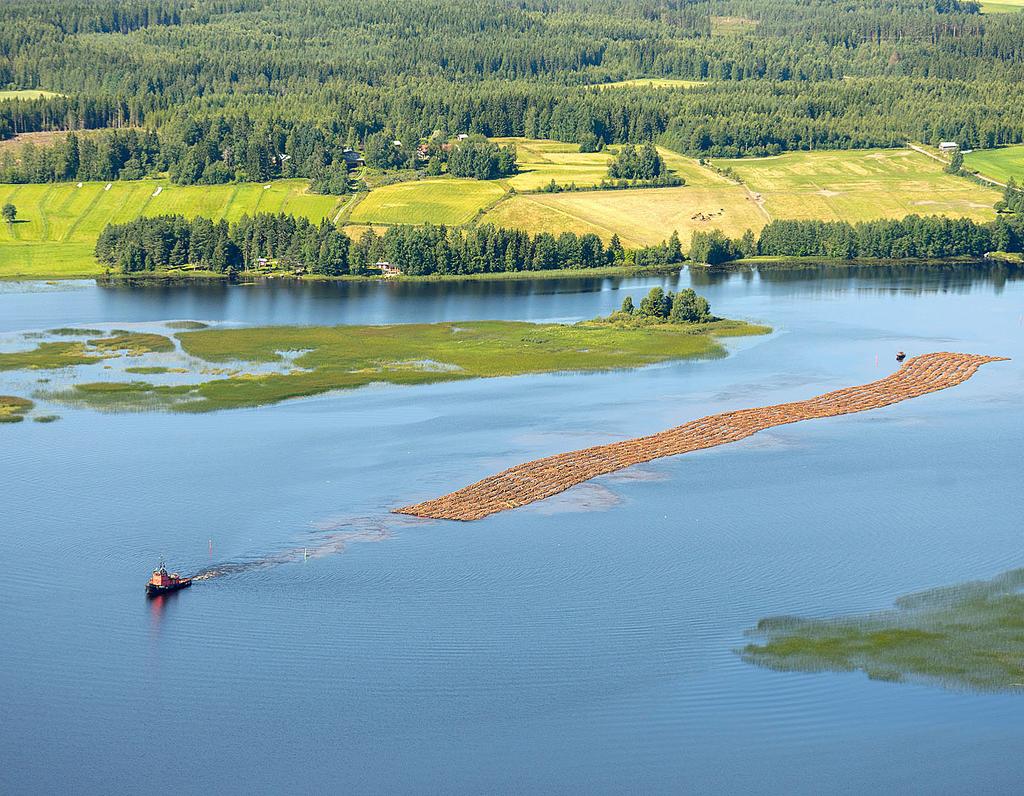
315,360
969,636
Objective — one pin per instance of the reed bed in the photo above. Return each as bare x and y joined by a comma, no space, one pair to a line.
542,478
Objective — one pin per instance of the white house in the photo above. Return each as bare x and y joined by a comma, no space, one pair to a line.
948,147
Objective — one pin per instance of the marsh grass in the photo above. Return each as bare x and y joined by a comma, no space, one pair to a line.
14,409
70,331
132,343
969,636
46,356
187,325
348,357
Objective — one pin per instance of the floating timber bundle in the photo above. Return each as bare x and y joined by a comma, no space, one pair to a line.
542,478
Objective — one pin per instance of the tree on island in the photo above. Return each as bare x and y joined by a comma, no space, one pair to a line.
660,306
10,213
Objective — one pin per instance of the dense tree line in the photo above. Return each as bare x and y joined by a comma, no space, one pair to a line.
107,155
917,237
289,243
481,159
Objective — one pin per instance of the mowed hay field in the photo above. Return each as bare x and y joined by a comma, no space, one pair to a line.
861,185
438,201
998,164
58,223
639,217
540,162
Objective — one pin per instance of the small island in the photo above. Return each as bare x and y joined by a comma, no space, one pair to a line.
207,369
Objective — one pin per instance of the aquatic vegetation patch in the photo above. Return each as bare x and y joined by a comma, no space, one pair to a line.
14,409
47,356
132,343
71,331
969,636
124,396
311,360
187,325
152,370
46,418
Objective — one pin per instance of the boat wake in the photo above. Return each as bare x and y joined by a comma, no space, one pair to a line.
373,530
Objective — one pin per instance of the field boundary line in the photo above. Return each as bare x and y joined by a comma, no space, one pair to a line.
933,156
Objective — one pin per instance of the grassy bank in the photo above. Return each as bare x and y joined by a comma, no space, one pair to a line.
312,360
967,636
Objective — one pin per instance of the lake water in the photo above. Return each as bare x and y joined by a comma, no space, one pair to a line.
583,644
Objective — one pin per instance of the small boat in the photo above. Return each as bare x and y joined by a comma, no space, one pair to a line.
900,356
164,582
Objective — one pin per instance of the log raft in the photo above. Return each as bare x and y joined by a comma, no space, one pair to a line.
542,478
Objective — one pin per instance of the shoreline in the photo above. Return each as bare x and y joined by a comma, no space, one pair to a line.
252,277
796,262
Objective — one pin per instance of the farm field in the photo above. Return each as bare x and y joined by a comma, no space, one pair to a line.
861,185
26,94
58,223
437,201
541,161
639,217
1003,7
654,82
998,164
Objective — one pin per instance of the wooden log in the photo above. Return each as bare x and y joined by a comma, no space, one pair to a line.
539,479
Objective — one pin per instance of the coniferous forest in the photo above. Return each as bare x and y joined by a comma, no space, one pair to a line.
153,244
256,89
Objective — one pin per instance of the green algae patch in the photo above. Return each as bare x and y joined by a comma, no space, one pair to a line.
48,356
46,418
968,637
14,409
132,343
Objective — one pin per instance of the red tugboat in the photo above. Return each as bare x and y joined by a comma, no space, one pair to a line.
164,583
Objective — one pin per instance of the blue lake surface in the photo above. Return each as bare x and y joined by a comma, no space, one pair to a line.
583,644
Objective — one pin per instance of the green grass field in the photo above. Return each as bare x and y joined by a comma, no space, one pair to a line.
543,161
861,185
1002,7
26,94
59,222
437,201
998,164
